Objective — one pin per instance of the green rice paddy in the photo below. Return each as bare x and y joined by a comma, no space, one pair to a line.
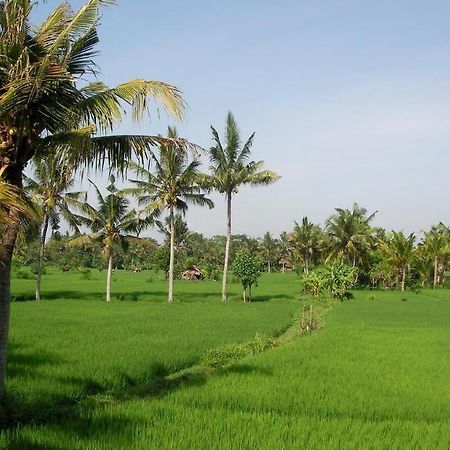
374,376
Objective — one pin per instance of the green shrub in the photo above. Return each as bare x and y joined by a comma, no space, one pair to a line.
333,280
24,273
86,274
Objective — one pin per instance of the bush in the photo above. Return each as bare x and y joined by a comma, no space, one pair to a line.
24,273
334,280
86,274
211,272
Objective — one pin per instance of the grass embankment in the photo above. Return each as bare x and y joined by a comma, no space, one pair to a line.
376,376
74,345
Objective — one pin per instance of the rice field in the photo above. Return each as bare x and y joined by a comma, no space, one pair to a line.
375,376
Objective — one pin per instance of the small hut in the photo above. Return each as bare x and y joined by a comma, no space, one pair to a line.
193,273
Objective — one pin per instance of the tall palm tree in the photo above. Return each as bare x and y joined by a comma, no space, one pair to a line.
173,185
110,222
48,104
350,234
437,247
231,168
269,250
307,242
53,177
399,251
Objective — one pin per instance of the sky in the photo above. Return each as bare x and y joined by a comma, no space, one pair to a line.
349,99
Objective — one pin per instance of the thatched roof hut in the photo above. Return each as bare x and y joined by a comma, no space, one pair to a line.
193,273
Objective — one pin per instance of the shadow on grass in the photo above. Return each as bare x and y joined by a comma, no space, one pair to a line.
128,296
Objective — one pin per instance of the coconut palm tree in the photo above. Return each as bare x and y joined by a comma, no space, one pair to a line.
173,185
436,247
350,234
110,222
53,177
47,104
399,251
269,250
307,242
231,168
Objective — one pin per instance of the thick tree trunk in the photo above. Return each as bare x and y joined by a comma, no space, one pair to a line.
7,242
227,249
41,257
172,255
435,279
108,278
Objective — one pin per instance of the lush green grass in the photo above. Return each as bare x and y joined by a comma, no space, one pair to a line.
376,376
63,349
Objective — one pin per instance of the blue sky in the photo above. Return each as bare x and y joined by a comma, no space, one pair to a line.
350,100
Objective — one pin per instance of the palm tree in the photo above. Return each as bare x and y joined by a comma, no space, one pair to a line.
269,250
110,222
399,251
350,234
285,250
307,242
174,184
231,168
436,247
48,104
53,177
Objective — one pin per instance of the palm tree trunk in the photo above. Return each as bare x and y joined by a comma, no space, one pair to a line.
243,295
172,255
435,280
403,278
268,266
227,250
41,257
7,242
108,278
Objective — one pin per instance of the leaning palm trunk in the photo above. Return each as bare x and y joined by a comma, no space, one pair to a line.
227,249
108,278
172,255
41,257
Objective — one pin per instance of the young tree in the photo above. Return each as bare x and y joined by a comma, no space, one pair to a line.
248,269
174,184
109,221
231,168
52,179
46,104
